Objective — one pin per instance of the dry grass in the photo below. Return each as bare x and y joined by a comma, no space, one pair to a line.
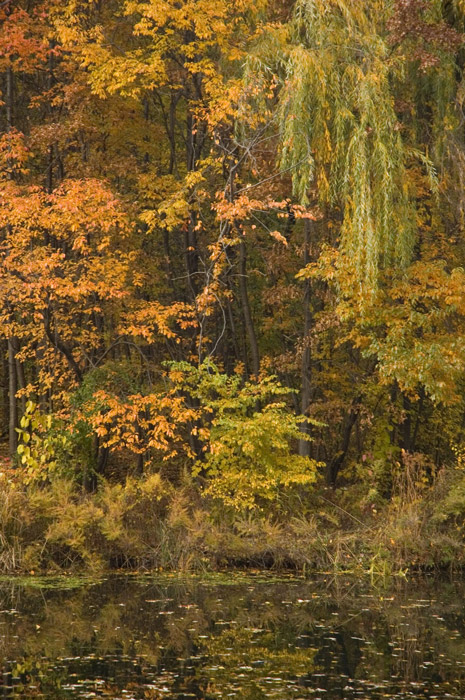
148,523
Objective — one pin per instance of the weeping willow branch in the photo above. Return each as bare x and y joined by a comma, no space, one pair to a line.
343,133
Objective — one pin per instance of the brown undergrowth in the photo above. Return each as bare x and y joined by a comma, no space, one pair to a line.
147,523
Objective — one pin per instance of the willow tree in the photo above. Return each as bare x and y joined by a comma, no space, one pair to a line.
367,99
371,125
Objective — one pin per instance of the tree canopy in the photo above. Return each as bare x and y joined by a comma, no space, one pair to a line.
232,239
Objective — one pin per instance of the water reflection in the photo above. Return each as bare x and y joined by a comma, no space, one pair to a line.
232,637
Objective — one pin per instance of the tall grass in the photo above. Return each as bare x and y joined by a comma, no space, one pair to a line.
148,523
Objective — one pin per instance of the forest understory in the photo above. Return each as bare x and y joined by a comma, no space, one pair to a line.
151,524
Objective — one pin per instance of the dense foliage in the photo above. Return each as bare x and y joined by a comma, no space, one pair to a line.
232,247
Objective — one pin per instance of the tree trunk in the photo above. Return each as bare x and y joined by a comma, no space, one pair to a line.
9,99
248,321
306,378
5,378
333,467
57,343
407,424
13,408
191,256
12,377
20,376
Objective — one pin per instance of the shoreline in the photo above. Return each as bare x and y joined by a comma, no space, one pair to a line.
147,524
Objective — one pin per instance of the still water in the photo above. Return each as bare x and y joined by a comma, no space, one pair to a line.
231,636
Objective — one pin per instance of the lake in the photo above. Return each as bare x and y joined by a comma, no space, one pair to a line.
233,635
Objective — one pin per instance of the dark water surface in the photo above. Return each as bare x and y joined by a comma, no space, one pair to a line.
231,636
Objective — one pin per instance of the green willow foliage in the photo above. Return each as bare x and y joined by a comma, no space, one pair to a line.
340,127
338,67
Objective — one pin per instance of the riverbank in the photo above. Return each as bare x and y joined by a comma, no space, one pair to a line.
149,523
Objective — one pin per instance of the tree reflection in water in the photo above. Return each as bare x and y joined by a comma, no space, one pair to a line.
248,637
